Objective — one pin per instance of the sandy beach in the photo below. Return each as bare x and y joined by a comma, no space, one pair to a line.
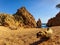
27,36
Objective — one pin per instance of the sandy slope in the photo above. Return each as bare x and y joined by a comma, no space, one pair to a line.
27,36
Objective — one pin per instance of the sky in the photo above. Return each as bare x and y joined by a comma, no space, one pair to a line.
43,9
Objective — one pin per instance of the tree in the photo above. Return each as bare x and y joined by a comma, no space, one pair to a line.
58,6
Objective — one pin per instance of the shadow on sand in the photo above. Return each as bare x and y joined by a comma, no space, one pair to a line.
40,41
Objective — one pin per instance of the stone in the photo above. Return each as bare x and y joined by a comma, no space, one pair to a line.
38,23
27,19
55,21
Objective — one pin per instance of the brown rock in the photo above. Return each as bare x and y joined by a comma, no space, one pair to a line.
55,21
27,19
22,18
18,20
7,20
38,23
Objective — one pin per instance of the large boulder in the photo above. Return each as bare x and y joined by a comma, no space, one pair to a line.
38,23
55,21
27,19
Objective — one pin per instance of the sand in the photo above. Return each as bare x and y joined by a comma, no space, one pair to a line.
27,36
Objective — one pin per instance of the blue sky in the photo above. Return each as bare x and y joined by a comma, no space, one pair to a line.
43,9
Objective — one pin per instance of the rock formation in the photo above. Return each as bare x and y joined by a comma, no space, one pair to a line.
55,21
27,19
22,18
7,20
38,23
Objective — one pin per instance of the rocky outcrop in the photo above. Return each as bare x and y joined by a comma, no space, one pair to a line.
7,20
55,21
27,19
38,23
22,18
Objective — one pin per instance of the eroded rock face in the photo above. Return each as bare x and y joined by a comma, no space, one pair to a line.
38,23
27,19
55,21
22,18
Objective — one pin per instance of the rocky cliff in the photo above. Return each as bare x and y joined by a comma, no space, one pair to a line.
22,18
55,21
27,19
